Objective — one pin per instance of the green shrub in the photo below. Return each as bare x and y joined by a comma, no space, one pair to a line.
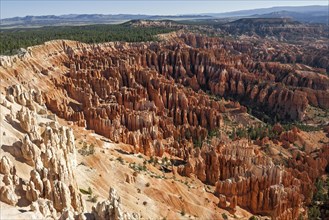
224,216
87,150
93,199
151,160
197,143
314,213
213,133
86,192
120,160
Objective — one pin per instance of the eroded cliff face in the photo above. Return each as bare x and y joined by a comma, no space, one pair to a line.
165,99
210,65
152,97
49,150
246,177
48,183
111,209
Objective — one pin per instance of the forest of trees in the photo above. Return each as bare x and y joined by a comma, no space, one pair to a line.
13,39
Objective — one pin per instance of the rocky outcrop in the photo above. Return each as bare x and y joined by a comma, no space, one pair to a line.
10,181
44,207
53,177
50,149
29,150
32,99
166,98
27,119
8,195
244,177
271,191
146,112
111,209
139,95
6,166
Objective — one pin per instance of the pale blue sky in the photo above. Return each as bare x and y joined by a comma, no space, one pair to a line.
12,8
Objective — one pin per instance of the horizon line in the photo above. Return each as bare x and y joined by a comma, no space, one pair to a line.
199,13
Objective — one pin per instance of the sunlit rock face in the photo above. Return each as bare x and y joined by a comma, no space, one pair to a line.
50,151
164,98
151,95
169,98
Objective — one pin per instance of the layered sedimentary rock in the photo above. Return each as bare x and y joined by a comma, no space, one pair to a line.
119,76
50,149
164,98
137,107
244,176
139,95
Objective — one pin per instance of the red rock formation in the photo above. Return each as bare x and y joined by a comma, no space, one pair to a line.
135,106
140,95
152,96
245,177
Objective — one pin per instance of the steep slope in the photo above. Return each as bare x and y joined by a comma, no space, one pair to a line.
165,136
46,174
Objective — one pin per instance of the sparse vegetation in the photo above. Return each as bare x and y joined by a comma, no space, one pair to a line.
213,133
164,160
253,133
90,191
320,194
197,143
137,168
86,192
120,160
151,160
87,150
301,126
319,208
314,213
93,199
259,132
224,216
